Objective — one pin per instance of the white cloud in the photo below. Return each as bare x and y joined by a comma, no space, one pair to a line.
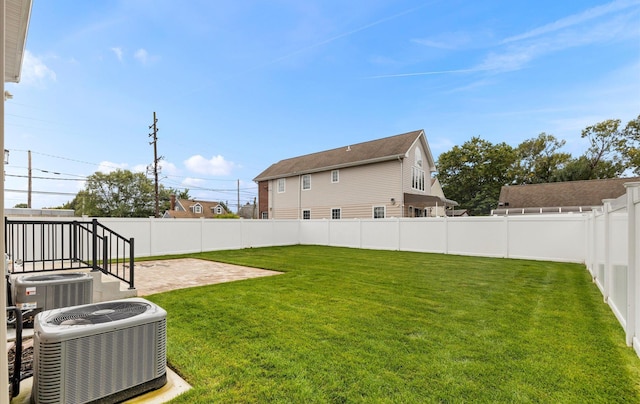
142,56
564,34
575,19
139,168
217,165
193,182
107,167
34,71
168,168
118,52
448,40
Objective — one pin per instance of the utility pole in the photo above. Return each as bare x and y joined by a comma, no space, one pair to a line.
156,159
29,182
238,197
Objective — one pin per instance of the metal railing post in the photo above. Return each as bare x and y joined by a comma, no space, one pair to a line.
105,255
94,258
131,271
74,241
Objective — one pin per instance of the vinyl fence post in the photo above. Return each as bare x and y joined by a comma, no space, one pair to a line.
606,281
632,276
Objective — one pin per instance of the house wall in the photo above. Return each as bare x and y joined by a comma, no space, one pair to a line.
263,197
357,191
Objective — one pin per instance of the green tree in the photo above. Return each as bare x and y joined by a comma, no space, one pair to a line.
540,159
21,205
120,193
603,156
631,145
83,204
474,173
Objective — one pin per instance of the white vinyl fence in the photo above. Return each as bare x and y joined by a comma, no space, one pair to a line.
605,240
614,258
550,237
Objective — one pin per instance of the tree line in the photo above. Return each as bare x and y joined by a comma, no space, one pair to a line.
473,174
121,193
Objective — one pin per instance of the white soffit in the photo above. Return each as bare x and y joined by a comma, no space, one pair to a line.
16,24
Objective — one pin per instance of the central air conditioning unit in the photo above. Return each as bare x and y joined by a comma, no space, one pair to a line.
53,291
104,352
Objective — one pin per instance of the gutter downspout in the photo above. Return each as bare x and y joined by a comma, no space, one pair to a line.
401,186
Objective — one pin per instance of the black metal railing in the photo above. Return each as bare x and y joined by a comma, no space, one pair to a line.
40,245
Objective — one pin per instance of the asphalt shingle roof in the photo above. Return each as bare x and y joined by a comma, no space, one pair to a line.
356,154
558,194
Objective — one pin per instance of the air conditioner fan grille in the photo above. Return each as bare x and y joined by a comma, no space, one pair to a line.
99,313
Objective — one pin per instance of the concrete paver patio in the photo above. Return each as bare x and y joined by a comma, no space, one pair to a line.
165,275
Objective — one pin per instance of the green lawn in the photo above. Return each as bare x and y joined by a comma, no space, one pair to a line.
349,325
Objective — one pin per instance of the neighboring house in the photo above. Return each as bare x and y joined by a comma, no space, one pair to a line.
389,177
193,209
249,211
559,197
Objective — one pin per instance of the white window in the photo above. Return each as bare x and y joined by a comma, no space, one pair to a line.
306,214
335,213
265,215
306,181
418,157
378,212
417,173
197,208
335,176
281,183
219,210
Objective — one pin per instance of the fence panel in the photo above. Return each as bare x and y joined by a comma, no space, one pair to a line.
345,233
314,232
548,237
482,236
424,234
380,234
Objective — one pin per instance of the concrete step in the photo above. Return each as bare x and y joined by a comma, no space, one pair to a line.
106,288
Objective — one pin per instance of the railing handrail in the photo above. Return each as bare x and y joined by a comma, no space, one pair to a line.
49,245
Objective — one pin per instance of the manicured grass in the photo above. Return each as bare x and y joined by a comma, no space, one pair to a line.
348,325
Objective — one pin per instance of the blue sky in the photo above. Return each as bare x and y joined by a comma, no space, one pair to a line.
239,85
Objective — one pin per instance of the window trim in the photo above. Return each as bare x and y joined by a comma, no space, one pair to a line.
384,212
417,179
303,182
308,214
339,211
335,178
197,208
283,182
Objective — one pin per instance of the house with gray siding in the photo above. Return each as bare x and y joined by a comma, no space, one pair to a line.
388,177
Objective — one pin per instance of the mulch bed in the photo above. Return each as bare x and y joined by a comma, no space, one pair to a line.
26,369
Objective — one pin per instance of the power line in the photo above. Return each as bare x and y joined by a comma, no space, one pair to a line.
20,191
45,178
